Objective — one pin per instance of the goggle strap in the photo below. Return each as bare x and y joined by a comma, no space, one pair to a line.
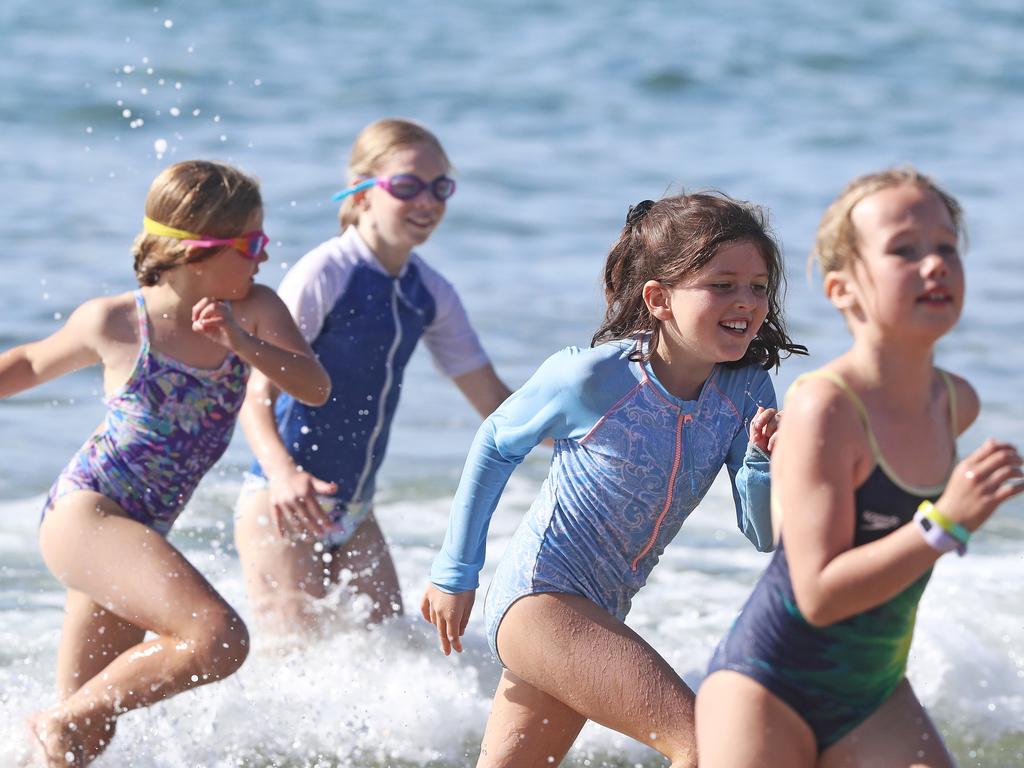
337,196
162,230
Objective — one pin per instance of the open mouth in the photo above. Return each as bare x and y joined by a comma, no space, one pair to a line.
935,297
738,327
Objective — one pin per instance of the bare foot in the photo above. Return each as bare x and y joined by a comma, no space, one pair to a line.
59,742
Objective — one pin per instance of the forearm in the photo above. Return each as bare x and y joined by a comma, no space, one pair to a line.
752,496
864,577
260,428
484,390
301,376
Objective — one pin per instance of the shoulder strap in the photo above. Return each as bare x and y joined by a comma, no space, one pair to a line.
140,310
951,389
840,382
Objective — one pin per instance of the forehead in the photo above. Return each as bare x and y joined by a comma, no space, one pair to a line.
896,208
742,256
421,158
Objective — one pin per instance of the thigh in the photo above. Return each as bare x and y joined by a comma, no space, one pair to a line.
898,733
527,727
579,654
367,557
127,568
741,724
91,638
274,564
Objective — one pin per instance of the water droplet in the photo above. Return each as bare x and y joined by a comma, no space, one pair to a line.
168,23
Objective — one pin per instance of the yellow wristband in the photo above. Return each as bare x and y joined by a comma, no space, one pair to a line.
954,529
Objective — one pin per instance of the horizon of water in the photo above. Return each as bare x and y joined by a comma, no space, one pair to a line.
556,120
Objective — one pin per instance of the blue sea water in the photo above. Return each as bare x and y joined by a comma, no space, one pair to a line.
557,116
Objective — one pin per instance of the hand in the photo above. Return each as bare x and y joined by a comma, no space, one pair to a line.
980,483
213,319
764,428
449,613
294,505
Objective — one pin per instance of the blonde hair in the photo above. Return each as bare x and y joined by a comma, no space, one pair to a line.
835,245
372,146
197,196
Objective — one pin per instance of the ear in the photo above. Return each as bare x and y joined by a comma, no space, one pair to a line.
657,298
839,290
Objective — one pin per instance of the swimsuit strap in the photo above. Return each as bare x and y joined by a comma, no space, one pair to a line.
140,310
876,451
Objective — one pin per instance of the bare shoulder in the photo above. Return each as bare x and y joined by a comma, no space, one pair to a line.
106,318
258,305
822,425
968,404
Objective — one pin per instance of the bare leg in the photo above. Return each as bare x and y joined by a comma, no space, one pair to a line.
367,556
283,574
527,727
286,576
576,653
106,636
131,571
898,733
740,724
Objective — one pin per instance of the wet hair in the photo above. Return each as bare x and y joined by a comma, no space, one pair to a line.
674,238
372,147
197,196
835,245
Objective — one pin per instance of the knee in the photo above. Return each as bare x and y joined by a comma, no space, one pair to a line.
223,645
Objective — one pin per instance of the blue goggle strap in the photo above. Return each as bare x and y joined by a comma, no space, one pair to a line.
352,190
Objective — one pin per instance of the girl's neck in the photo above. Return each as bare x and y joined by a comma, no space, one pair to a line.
681,376
905,373
392,258
172,299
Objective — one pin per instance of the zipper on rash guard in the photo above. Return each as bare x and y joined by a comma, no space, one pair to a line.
676,461
385,390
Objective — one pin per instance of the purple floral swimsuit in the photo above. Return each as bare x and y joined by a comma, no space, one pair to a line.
163,431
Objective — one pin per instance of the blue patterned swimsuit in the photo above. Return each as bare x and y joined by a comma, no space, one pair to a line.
630,463
163,431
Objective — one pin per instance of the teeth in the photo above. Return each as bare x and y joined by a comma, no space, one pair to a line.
736,325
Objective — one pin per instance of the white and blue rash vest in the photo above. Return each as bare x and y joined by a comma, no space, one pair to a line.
363,324
630,463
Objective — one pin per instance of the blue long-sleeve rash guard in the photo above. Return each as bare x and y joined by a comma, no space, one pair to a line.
630,463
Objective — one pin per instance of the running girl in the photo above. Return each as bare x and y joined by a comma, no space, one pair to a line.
674,387
871,495
175,355
362,300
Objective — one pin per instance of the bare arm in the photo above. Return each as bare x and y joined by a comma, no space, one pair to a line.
69,349
275,348
821,458
484,390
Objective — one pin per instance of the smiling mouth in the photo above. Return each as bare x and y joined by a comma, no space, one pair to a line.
739,327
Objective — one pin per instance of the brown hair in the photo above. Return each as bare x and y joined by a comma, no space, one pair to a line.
835,245
197,196
675,237
373,144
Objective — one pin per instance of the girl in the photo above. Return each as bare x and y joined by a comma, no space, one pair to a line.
175,355
362,300
812,672
642,424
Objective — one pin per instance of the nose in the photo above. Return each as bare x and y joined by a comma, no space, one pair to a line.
934,265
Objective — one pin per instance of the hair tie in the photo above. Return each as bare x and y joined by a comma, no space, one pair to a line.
638,211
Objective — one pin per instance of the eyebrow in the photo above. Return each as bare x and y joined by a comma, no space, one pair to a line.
732,272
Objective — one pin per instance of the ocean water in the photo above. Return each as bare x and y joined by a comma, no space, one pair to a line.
557,116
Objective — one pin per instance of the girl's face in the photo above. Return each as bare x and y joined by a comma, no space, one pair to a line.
908,278
716,312
397,226
229,272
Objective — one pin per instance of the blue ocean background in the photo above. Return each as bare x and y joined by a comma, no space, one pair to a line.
557,116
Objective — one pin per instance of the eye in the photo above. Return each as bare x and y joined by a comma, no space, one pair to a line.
949,252
904,251
759,288
721,286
